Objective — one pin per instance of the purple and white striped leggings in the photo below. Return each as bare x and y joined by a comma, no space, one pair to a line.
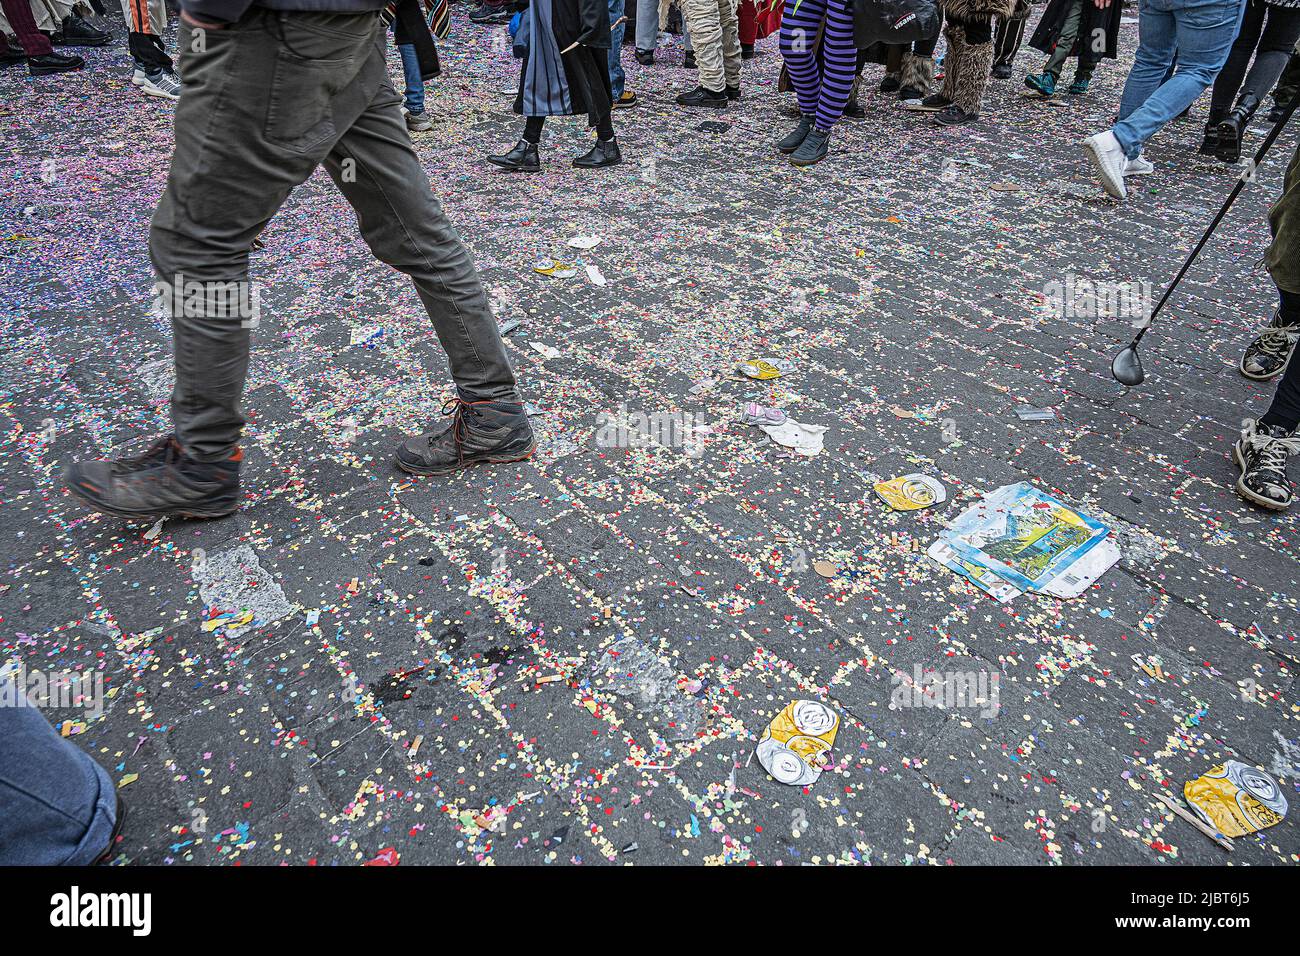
822,88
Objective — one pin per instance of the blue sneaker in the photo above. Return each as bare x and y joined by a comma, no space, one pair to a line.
1043,83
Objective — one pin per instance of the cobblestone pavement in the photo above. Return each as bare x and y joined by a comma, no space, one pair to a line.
570,660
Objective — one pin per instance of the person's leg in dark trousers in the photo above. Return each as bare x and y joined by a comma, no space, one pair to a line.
1007,38
1286,88
1277,38
252,125
1266,444
1228,82
57,806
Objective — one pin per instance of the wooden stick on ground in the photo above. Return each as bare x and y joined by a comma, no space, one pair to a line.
1195,821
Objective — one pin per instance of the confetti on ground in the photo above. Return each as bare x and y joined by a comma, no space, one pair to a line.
572,659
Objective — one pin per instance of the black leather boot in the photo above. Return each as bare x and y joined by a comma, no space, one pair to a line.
1210,141
604,153
1233,127
522,159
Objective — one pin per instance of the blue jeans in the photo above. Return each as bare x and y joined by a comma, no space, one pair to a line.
1201,33
57,806
414,85
617,78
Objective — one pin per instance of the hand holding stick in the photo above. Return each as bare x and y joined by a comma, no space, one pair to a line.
612,27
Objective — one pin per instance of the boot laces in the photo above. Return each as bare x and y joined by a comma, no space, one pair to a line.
455,407
164,451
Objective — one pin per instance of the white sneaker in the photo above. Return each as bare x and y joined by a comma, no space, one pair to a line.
1108,158
162,83
1139,166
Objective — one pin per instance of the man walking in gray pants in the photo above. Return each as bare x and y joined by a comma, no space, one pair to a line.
272,91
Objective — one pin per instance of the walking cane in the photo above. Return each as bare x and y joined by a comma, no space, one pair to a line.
1127,366
613,26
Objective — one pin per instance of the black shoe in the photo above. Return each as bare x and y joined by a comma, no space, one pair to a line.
164,482
477,432
747,51
1270,351
522,159
812,149
48,63
644,57
733,92
954,115
792,142
487,14
1233,127
1261,453
931,104
688,62
1001,71
702,97
890,83
1277,112
854,110
604,153
75,31
1210,142
12,56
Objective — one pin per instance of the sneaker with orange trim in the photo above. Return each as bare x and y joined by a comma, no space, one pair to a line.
475,433
164,482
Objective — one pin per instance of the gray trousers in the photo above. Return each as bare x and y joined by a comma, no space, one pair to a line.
266,100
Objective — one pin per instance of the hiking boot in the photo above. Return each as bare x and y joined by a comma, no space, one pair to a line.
484,13
1271,350
604,153
794,140
522,159
644,57
1079,86
1043,83
476,432
1261,453
703,97
954,115
813,148
164,482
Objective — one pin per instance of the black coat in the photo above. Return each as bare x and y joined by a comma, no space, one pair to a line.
1094,22
586,66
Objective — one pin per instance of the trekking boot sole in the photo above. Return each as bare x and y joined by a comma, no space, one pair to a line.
427,470
102,508
1247,493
